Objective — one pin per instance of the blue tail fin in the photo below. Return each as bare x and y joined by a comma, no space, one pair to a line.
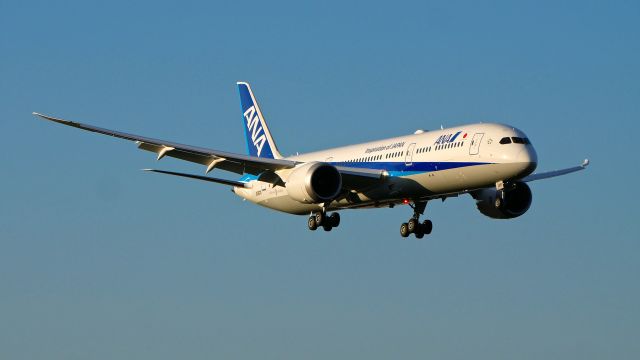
259,140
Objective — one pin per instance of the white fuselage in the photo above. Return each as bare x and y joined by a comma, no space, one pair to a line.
420,166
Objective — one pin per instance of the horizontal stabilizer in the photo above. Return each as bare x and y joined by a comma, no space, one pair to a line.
199,177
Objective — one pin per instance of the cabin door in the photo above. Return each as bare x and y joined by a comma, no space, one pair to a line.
474,149
408,159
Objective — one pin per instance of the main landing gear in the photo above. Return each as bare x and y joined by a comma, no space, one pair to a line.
413,226
321,218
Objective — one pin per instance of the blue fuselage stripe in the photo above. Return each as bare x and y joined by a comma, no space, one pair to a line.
400,168
397,168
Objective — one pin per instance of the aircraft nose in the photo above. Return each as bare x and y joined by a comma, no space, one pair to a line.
529,160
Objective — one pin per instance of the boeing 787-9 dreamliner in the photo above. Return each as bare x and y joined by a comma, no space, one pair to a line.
491,162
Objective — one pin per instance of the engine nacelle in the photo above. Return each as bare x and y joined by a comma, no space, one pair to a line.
515,202
314,182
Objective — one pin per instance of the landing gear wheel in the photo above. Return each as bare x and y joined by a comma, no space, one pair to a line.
320,217
334,219
413,225
404,230
312,223
427,226
327,227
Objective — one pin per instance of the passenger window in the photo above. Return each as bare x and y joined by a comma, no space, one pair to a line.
505,140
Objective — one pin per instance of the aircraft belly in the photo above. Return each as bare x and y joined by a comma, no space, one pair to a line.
392,190
275,198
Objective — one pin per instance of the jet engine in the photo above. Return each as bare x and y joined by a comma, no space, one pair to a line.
514,202
314,182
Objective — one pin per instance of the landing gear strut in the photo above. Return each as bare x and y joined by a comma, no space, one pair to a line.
413,226
320,218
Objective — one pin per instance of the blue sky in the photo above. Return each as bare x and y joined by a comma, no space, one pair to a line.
99,260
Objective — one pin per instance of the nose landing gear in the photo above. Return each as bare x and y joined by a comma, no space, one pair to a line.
413,226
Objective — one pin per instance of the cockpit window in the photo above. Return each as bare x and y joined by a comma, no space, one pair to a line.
517,140
505,140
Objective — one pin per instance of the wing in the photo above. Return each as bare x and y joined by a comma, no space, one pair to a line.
210,158
359,178
353,179
550,174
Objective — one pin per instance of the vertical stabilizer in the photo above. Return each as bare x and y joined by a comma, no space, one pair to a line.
259,140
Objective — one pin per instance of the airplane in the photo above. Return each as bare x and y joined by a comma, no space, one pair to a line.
491,162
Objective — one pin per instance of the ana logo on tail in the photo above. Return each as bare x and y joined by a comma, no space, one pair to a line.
259,140
253,126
